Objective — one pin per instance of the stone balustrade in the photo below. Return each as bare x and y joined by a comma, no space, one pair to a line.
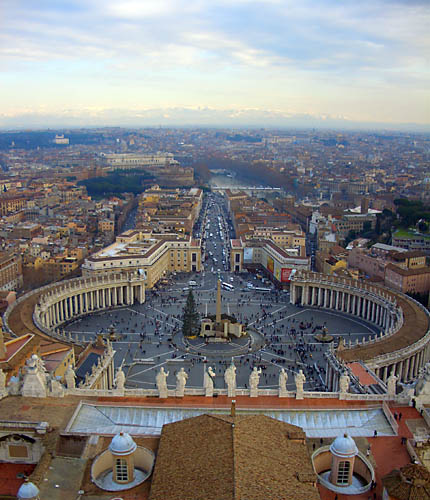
403,345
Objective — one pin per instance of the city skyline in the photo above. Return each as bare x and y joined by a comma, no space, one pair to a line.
242,63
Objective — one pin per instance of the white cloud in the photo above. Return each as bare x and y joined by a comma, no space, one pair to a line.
240,51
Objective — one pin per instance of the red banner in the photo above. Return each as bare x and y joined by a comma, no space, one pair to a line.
286,274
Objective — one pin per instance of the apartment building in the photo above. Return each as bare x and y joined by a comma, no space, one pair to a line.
130,160
291,239
266,256
408,280
152,255
411,240
10,271
10,203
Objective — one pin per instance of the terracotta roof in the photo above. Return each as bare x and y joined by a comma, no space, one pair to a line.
362,374
219,457
401,256
14,345
407,272
411,482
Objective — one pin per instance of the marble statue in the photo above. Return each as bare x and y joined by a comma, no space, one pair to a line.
422,387
34,383
70,378
208,382
2,381
230,380
14,386
391,384
161,381
299,380
181,380
120,379
56,388
254,379
283,377
344,381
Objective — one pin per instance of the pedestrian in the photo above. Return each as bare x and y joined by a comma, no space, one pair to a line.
375,433
400,416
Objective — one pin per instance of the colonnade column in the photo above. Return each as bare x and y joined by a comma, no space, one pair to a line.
406,375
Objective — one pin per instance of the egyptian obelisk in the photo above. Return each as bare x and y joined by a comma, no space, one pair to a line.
218,304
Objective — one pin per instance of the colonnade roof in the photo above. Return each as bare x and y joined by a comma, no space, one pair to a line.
415,326
20,320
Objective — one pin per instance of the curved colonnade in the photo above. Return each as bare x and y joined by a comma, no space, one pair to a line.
57,303
402,347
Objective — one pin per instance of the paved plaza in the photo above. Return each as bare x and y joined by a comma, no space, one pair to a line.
282,335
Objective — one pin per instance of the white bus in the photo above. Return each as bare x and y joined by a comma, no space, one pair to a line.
227,286
259,289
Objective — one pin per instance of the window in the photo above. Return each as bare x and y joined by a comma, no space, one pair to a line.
343,472
121,470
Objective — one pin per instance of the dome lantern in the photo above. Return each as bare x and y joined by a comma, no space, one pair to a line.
343,451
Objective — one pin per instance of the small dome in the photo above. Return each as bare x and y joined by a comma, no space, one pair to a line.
27,490
344,447
122,444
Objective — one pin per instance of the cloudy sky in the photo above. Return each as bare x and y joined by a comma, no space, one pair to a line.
90,62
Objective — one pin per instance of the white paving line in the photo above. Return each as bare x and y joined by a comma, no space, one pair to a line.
148,369
278,310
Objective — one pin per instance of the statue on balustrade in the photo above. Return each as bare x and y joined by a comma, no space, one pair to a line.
254,379
283,378
70,378
230,380
299,380
208,382
344,382
391,384
181,380
161,381
120,379
422,387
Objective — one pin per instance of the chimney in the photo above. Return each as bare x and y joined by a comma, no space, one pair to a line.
233,408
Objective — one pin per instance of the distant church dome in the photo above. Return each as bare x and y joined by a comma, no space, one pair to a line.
122,444
344,447
27,490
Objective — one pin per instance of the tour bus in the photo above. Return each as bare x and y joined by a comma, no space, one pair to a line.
227,286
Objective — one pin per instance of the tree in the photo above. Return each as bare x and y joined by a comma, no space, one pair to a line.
190,318
423,226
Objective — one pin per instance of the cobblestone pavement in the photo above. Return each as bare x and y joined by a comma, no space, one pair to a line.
149,334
